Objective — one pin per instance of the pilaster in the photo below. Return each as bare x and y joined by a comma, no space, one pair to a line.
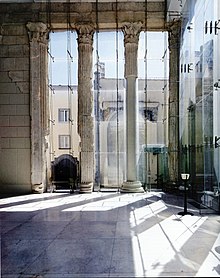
85,106
38,35
131,37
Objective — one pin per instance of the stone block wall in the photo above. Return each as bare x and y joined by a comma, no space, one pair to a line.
15,152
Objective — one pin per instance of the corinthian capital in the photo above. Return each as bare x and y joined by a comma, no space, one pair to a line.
85,32
37,31
131,31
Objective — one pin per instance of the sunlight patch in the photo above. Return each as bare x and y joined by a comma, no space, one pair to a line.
36,202
140,215
167,238
213,259
26,198
33,205
108,204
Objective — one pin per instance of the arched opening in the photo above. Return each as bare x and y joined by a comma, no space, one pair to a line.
65,172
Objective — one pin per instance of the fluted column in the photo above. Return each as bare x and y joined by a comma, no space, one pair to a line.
85,106
38,37
173,124
131,37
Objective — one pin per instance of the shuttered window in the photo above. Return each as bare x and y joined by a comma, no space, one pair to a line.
64,142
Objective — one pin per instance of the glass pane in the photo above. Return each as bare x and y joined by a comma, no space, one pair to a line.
109,108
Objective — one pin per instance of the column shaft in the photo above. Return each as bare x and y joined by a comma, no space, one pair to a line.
38,103
132,128
85,106
173,124
131,37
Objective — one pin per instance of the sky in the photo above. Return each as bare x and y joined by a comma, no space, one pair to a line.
108,46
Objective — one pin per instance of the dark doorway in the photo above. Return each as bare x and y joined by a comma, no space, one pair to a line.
65,172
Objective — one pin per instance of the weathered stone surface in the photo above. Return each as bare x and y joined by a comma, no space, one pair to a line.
131,36
4,99
173,125
12,131
4,78
23,87
23,132
16,50
87,12
19,121
5,143
8,132
13,30
16,76
85,104
7,109
22,110
4,120
19,143
9,88
4,51
16,98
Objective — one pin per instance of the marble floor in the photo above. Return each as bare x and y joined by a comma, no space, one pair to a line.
106,234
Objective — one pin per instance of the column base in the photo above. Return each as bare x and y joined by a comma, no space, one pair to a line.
38,188
86,187
132,187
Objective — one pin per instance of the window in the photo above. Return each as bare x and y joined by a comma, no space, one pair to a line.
63,115
64,141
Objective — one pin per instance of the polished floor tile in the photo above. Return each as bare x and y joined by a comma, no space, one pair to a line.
35,230
56,235
18,254
74,256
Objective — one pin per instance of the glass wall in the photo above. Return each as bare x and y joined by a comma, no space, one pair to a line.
109,93
109,108
109,88
153,68
199,99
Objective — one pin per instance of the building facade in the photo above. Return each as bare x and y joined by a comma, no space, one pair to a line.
64,138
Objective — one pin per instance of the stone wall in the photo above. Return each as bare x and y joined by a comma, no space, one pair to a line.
15,142
105,13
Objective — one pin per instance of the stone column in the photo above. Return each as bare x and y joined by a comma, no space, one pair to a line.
131,37
85,106
173,123
38,35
